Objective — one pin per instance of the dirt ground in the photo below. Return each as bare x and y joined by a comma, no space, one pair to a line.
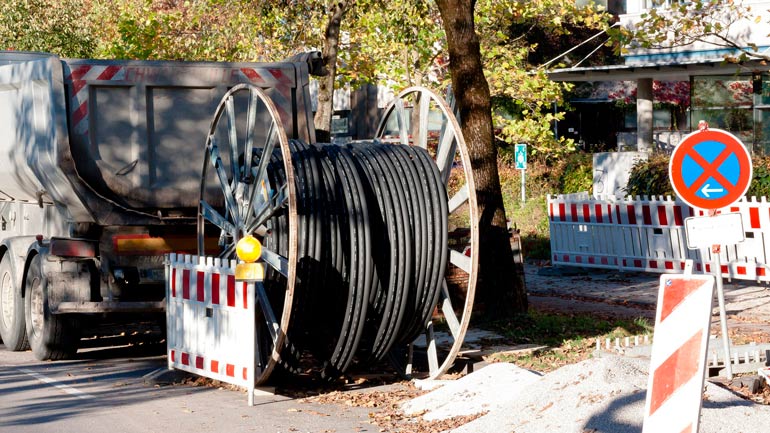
610,294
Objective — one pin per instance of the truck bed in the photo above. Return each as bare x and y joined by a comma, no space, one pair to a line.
121,142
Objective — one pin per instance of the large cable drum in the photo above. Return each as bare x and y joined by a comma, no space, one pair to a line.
355,235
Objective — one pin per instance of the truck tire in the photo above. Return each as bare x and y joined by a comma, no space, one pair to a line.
12,327
51,336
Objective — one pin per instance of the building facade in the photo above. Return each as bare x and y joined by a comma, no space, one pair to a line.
734,96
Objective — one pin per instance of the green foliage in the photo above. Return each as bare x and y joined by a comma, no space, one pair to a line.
760,183
696,21
399,42
523,96
56,26
543,176
650,177
217,30
577,174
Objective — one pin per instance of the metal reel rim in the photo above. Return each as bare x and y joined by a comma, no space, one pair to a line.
291,210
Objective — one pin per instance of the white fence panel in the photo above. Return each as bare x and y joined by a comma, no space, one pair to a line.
210,320
648,234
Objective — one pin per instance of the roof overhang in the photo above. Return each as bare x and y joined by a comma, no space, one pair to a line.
668,72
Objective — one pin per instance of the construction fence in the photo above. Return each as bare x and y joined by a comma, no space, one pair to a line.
648,234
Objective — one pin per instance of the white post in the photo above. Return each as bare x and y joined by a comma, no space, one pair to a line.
722,313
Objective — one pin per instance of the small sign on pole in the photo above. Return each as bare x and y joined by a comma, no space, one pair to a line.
722,229
520,155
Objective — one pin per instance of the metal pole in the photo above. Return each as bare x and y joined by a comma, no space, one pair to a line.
523,195
722,313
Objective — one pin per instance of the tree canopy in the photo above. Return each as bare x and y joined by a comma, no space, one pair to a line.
396,43
727,25
494,52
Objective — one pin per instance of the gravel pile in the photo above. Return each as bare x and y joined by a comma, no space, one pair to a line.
604,394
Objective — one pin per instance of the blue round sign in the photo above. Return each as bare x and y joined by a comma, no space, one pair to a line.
710,169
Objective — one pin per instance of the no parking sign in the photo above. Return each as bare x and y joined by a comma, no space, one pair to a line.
710,169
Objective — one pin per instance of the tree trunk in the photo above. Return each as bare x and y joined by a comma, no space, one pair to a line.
501,287
325,110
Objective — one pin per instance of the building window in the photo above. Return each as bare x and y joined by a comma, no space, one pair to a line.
729,102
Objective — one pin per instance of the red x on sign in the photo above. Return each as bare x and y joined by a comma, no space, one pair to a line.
710,169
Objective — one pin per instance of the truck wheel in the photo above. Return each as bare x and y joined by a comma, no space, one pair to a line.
12,328
50,336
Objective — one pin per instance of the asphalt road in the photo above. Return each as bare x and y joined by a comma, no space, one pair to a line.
110,390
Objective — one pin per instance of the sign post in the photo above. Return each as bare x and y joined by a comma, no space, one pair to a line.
711,169
521,164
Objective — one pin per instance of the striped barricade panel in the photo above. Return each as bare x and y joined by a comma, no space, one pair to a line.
647,234
210,316
678,358
644,235
749,259
582,233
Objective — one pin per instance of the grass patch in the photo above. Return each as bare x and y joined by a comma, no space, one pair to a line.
569,338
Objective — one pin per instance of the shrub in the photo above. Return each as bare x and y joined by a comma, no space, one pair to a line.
650,177
760,183
576,173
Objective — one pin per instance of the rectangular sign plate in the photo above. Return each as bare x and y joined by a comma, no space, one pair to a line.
722,229
521,156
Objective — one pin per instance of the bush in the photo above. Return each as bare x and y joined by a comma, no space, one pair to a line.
760,183
573,173
650,177
576,173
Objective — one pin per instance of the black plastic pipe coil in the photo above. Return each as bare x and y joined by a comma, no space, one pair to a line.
372,248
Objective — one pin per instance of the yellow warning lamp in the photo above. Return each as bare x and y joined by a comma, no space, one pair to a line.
249,249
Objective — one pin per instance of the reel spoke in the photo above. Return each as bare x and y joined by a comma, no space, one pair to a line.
250,130
422,131
267,310
224,183
276,261
449,313
447,148
459,199
402,122
214,217
267,209
460,260
233,136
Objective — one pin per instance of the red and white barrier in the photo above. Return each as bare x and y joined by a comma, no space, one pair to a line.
648,234
678,359
210,320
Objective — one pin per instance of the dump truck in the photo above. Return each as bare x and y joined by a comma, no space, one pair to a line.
100,174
